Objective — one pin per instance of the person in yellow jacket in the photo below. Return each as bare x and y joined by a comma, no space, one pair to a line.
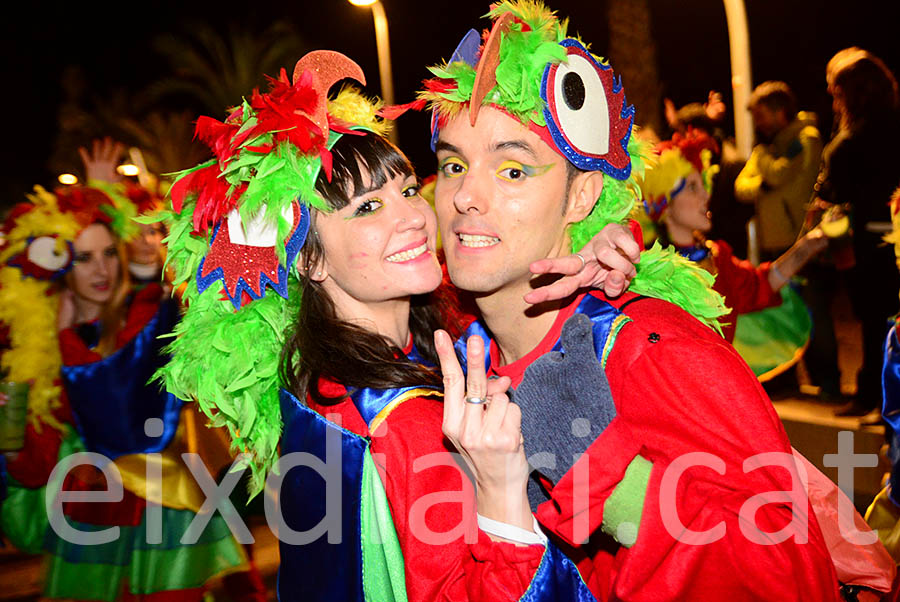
781,172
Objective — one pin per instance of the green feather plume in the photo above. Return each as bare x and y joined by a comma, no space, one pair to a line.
662,273
225,360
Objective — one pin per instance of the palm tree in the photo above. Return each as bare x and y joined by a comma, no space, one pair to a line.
632,51
210,72
215,70
166,140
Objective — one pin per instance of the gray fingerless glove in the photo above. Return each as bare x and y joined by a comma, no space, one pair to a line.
566,403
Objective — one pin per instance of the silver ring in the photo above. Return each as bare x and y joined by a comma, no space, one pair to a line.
476,400
583,262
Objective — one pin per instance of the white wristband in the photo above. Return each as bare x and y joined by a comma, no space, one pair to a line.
512,532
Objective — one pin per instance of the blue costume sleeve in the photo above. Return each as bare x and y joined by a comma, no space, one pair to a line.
112,400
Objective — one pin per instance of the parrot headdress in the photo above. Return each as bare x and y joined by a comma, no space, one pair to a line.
237,224
677,158
527,66
37,252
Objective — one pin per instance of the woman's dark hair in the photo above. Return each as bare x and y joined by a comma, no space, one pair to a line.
321,343
868,87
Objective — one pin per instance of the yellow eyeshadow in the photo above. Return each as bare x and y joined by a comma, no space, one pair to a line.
452,161
527,170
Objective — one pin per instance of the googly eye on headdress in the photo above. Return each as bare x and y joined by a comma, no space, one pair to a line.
45,258
586,112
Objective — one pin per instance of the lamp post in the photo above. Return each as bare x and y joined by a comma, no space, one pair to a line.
741,86
384,54
741,78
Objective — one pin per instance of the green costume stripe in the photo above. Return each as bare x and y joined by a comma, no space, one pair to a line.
620,321
23,519
384,577
774,339
149,571
23,515
100,572
82,581
183,568
175,524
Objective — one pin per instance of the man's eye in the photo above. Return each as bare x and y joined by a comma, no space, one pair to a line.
513,171
511,174
367,207
452,167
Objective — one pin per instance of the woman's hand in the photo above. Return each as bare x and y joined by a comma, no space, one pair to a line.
606,262
487,435
103,159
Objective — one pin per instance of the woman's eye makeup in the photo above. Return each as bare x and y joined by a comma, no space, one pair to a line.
81,257
514,171
453,167
411,190
368,206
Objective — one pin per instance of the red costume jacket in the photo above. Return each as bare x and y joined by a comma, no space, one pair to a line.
679,389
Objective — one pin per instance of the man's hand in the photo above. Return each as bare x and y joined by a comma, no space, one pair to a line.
606,262
715,106
102,161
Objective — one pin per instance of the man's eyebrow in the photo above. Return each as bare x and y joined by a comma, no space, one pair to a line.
446,146
520,145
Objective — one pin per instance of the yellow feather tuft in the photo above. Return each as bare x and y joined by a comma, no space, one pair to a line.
29,307
663,174
351,106
535,14
43,220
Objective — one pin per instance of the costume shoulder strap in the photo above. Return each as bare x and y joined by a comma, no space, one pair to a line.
375,405
607,320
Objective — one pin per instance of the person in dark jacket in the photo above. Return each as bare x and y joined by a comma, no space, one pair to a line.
860,170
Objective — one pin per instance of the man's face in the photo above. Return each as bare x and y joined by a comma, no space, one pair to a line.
145,249
500,199
767,122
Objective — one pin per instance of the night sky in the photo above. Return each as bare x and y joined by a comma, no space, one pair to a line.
790,40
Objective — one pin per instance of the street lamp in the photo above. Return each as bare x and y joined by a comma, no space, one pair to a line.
128,169
741,78
384,54
741,86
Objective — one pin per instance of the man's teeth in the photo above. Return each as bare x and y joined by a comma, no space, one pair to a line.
478,240
407,255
